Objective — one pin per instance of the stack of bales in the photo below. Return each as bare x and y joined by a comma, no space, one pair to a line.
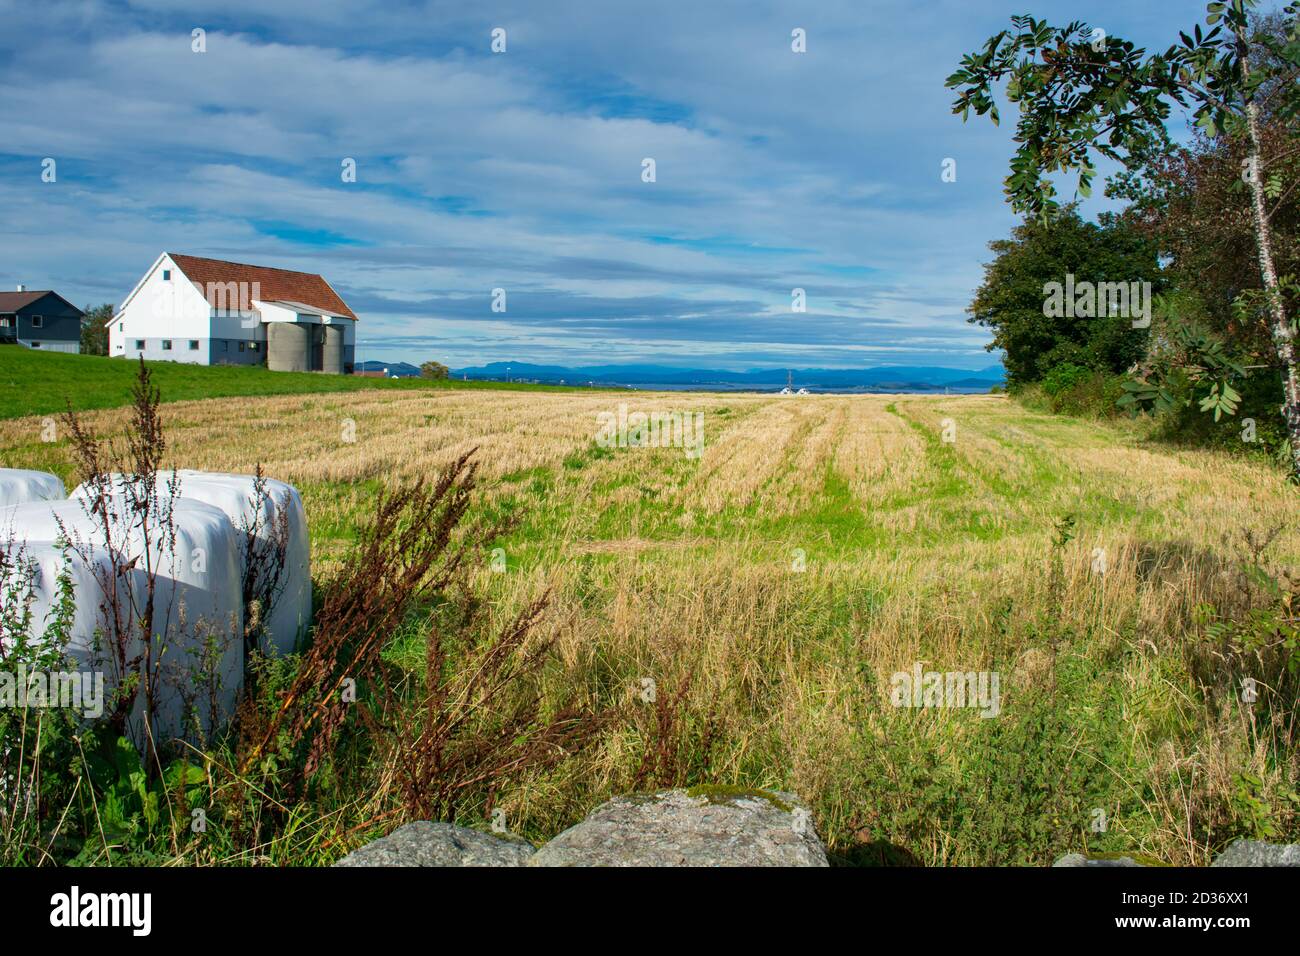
197,653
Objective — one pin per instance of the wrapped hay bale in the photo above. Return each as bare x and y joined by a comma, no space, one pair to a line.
273,526
274,551
196,659
19,486
32,578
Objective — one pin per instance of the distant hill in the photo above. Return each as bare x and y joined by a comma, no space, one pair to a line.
880,378
394,369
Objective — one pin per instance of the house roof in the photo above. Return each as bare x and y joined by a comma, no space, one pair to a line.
303,307
13,301
275,284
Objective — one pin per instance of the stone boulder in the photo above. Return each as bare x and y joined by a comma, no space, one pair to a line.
1256,853
439,844
1078,859
706,826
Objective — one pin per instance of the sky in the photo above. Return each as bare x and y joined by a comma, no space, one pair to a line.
523,170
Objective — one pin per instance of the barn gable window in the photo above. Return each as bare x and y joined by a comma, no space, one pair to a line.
38,321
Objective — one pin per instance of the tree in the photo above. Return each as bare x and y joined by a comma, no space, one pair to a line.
1013,300
1194,203
94,329
1081,93
433,370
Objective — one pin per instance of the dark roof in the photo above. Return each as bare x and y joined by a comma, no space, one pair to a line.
275,284
14,301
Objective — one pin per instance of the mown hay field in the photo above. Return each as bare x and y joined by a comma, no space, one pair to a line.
770,587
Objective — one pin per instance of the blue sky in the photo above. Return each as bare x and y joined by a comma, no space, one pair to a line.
522,170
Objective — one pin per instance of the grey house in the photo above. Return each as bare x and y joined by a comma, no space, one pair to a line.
39,320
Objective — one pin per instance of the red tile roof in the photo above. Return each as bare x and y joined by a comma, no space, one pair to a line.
275,284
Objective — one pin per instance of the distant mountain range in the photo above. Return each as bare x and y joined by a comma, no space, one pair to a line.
885,378
394,369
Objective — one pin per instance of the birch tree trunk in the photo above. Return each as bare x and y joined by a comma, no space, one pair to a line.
1283,335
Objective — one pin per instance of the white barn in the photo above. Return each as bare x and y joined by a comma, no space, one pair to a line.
213,312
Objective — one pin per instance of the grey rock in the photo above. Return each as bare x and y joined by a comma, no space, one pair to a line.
1078,859
705,827
1258,853
439,844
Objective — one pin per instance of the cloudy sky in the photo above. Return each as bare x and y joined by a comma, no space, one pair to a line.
522,170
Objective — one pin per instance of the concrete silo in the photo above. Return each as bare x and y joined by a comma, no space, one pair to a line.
289,346
317,359
332,353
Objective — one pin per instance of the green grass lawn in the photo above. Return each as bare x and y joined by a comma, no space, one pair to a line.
37,383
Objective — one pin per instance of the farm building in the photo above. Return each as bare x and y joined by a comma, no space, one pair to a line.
40,319
213,312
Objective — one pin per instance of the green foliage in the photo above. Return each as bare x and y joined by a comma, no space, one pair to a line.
1036,777
1064,377
32,740
131,808
1257,818
1012,299
1081,92
433,370
1269,627
1091,394
1192,364
1257,429
94,329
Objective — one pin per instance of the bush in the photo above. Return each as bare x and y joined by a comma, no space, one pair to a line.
434,370
1011,302
1074,390
1256,427
1063,377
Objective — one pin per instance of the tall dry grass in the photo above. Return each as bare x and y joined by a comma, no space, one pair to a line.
770,589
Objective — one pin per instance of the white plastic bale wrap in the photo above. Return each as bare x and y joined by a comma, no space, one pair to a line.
19,486
236,496
86,646
198,603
